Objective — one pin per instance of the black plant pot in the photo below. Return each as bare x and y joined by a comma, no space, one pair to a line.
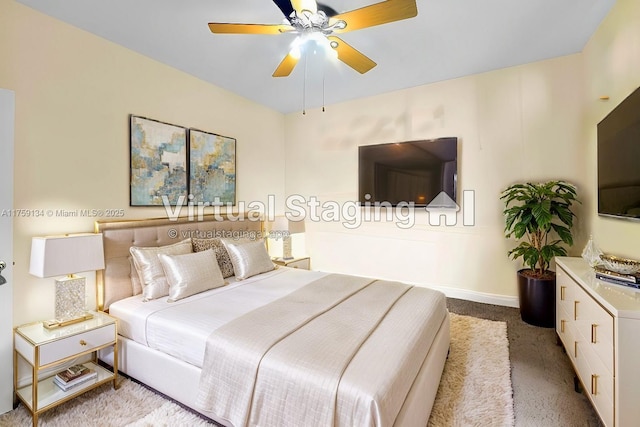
537,300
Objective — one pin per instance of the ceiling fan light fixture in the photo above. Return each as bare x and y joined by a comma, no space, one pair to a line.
296,48
312,42
317,27
338,25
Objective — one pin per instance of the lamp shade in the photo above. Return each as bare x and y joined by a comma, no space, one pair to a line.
69,254
282,223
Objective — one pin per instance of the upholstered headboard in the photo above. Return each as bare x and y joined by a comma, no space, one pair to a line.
114,282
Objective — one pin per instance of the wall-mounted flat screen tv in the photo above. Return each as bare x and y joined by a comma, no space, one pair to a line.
413,171
619,160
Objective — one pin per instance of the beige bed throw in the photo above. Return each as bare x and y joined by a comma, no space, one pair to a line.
341,351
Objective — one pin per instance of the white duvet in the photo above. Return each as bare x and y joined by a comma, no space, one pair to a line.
181,328
342,351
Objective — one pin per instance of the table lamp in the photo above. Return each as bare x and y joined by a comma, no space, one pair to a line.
288,227
67,255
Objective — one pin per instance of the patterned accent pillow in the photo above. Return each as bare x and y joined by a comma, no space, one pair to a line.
222,256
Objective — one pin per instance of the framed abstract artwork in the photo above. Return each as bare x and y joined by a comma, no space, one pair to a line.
158,162
212,168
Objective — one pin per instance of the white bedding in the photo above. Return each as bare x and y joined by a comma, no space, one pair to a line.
163,344
341,351
181,328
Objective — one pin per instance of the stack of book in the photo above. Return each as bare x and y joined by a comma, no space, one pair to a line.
632,280
74,376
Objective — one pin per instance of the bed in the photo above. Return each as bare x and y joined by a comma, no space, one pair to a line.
275,348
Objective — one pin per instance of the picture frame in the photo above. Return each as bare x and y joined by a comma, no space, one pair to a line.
212,168
158,163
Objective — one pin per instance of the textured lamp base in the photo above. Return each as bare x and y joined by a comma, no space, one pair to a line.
286,247
69,299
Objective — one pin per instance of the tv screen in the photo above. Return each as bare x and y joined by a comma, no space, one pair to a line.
414,171
619,160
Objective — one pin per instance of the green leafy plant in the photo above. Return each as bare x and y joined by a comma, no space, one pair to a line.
538,213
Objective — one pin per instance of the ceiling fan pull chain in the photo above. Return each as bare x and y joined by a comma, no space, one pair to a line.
323,74
304,87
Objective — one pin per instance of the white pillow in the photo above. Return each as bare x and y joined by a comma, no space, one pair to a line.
248,258
190,274
154,282
136,284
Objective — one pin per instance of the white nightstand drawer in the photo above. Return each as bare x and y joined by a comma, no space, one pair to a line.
53,349
74,344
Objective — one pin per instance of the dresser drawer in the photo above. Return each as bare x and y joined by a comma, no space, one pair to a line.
565,330
565,288
595,327
79,343
597,380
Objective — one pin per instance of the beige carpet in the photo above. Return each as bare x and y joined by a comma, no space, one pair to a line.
475,390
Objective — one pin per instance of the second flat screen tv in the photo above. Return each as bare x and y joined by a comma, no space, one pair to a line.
618,160
414,171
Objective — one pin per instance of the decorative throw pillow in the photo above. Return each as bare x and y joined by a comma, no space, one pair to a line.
154,282
190,274
224,262
248,258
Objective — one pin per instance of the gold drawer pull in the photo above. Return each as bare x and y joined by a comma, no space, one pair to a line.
562,289
575,310
562,321
594,384
575,349
593,333
83,342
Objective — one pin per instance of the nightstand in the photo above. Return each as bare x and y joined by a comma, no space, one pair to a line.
302,262
54,350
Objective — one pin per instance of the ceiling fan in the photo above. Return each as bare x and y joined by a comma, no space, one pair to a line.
315,21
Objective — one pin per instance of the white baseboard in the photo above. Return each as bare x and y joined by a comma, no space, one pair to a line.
465,294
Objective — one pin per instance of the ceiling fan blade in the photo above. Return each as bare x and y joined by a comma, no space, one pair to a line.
224,28
286,66
350,56
300,5
285,6
376,14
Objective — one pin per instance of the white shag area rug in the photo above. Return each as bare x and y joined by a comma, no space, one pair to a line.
475,390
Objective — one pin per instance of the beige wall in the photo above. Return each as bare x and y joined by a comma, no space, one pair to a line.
532,122
74,94
521,123
612,68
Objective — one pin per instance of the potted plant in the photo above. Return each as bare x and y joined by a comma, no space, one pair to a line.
540,216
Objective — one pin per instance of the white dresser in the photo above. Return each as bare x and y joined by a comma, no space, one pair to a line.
599,325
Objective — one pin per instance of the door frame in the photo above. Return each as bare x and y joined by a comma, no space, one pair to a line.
7,124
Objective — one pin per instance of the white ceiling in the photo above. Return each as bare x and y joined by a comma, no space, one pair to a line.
448,39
